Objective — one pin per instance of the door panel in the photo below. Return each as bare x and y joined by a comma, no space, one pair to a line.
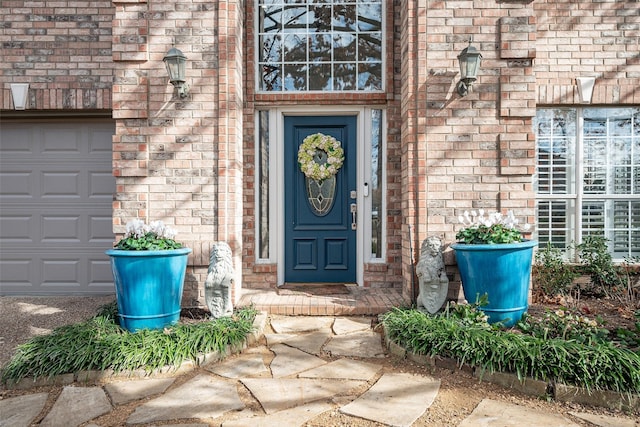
319,247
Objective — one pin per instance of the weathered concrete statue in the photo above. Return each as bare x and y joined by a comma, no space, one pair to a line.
219,282
432,277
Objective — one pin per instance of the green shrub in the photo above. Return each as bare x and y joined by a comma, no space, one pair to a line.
596,261
593,366
100,344
566,325
551,274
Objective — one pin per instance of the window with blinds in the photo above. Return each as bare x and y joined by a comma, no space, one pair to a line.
588,177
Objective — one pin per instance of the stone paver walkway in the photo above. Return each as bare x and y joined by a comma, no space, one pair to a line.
309,365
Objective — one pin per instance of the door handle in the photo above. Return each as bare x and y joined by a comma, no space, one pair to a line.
354,211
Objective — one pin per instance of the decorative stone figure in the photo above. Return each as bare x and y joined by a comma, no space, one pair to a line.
432,277
219,282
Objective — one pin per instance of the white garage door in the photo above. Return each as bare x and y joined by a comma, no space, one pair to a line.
56,192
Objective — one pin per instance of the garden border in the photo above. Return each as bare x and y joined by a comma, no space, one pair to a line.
557,391
259,324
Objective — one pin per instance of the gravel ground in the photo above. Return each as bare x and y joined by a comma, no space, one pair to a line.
24,317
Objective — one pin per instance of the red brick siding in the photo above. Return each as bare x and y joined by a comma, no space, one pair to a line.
588,39
62,49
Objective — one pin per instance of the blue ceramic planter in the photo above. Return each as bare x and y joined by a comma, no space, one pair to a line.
503,272
148,286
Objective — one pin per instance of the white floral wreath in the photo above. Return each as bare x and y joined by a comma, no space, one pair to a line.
308,151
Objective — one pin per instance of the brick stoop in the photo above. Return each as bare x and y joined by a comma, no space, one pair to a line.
359,302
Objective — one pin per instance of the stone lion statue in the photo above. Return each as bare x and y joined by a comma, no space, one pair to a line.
219,282
432,277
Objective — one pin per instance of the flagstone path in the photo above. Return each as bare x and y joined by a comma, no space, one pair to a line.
308,367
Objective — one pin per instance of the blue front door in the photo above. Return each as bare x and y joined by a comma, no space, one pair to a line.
320,243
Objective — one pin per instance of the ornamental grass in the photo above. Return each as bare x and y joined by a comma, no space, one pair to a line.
101,344
594,366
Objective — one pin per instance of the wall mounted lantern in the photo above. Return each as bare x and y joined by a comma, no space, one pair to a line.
176,63
469,60
19,94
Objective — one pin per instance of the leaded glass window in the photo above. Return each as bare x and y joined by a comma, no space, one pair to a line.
320,45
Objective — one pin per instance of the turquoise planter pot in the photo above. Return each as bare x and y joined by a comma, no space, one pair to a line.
501,271
148,286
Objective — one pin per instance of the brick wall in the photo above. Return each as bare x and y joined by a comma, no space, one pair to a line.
62,49
478,151
598,39
178,159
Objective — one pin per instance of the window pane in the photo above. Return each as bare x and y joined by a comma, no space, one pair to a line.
320,48
346,34
370,17
270,19
370,47
320,77
271,49
295,48
294,18
263,184
556,133
376,184
344,46
553,224
344,77
344,17
368,77
295,77
271,77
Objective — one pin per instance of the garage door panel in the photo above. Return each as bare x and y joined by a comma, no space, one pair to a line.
16,142
101,185
17,272
16,184
16,228
100,272
63,139
100,229
61,228
61,184
95,146
55,208
57,271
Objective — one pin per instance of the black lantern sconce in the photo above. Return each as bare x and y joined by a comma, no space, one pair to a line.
469,60
176,63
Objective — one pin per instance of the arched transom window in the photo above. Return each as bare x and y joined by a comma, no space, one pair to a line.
320,45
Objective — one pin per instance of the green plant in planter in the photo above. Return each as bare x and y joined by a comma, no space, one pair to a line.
494,258
495,228
153,237
149,269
